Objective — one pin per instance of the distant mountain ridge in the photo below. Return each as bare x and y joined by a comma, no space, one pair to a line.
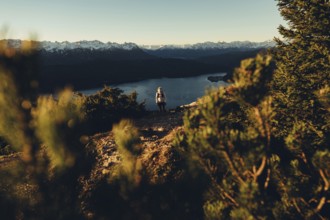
98,45
213,45
91,64
206,49
66,45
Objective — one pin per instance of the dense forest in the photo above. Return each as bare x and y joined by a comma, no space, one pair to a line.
85,69
258,148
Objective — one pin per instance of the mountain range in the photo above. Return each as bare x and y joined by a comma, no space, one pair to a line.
98,45
90,64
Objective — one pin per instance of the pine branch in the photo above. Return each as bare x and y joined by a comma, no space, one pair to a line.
232,168
326,187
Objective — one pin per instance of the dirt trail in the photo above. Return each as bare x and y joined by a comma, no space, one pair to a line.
160,161
157,131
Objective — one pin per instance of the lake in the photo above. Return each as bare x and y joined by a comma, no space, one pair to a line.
179,91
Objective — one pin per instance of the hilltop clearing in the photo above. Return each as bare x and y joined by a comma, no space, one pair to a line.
161,162
157,131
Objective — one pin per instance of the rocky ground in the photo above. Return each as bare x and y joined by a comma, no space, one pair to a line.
157,156
157,131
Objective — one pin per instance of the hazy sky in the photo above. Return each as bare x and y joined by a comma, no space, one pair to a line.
142,21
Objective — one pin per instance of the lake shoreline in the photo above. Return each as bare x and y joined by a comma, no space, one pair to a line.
179,91
96,85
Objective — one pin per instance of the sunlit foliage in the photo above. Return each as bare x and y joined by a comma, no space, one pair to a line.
108,106
46,132
256,149
264,140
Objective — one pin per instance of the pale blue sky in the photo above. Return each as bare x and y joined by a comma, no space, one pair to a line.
142,21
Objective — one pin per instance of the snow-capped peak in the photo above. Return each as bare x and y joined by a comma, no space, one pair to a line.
91,45
98,45
65,45
214,45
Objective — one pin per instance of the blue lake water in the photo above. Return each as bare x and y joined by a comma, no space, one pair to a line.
179,91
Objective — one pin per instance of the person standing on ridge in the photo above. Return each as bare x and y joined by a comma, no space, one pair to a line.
161,99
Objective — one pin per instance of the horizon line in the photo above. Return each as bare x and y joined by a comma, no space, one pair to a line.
126,42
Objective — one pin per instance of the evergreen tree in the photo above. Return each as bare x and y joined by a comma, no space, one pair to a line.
229,138
303,65
254,173
264,140
301,93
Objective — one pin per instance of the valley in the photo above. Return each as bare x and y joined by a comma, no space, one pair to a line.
92,64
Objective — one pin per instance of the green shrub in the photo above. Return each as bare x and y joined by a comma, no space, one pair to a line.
228,137
232,138
51,179
48,134
269,156
108,106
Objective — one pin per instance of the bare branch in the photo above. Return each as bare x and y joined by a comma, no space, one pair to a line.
267,179
232,168
326,182
262,166
297,207
209,172
326,187
321,204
